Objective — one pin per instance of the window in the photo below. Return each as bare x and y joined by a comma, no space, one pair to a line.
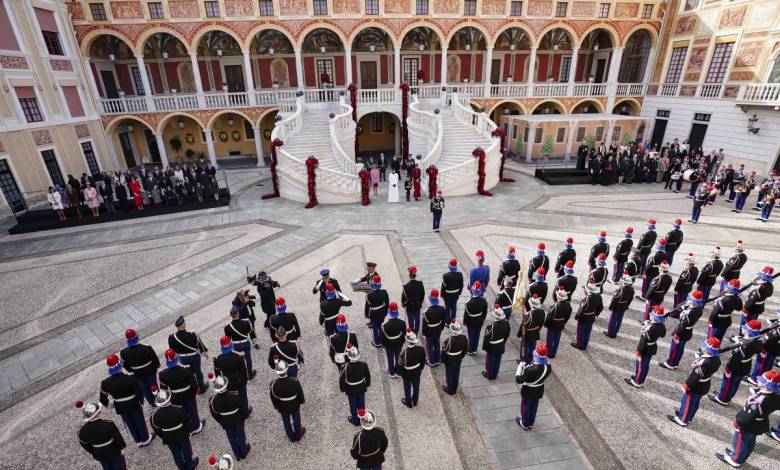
32,113
266,8
212,9
538,136
560,8
409,71
470,7
691,5
52,41
73,100
98,11
376,123
676,64
580,134
516,9
561,134
599,133
721,57
324,66
11,191
525,135
53,167
89,156
372,7
774,71
249,130
514,131
139,83
156,11
565,68
647,11
616,133
604,10
422,7
320,7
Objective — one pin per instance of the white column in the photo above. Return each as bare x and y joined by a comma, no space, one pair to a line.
348,64
299,69
145,82
443,66
570,139
531,71
614,68
649,65
93,86
530,143
397,141
112,150
397,67
249,78
259,146
610,130
210,145
198,82
487,69
163,151
572,71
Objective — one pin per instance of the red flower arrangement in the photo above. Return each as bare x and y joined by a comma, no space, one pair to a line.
433,173
500,134
353,102
421,75
324,78
364,185
404,129
274,177
311,181
480,154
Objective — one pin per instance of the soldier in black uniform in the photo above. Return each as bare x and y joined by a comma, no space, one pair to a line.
321,285
172,424
633,265
601,247
451,288
765,360
288,351
412,299
567,254
330,307
600,274
239,330
659,286
370,443
532,377
709,273
226,409
590,308
568,281
620,302
506,296
337,343
646,242
410,366
454,350
509,269
354,380
652,330
189,347
622,250
245,304
285,319
473,316
683,332
538,261
674,240
141,361
733,266
761,290
530,328
697,385
494,343
287,398
232,366
128,400
684,284
265,290
556,320
375,309
653,265
740,363
432,326
724,306
101,438
393,330
538,288
371,272
180,381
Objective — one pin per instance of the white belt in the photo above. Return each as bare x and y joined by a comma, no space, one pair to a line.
758,303
229,412
394,337
241,341
107,443
287,398
705,380
688,327
124,398
496,341
377,308
456,353
434,325
411,368
173,428
450,291
651,344
356,383
331,318
190,354
534,384
141,366
511,277
747,360
469,314
180,390
728,315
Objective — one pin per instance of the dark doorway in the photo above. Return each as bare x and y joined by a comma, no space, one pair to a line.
11,191
495,71
601,64
659,129
151,142
109,84
127,149
696,138
368,75
53,167
410,67
234,78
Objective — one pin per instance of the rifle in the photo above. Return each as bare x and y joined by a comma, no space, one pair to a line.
678,308
775,325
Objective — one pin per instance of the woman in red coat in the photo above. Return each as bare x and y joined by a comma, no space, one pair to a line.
416,176
135,190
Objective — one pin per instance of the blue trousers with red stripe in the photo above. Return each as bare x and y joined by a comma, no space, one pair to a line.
191,408
615,320
453,377
583,334
766,211
717,332
392,359
528,409
136,425
649,304
450,310
146,383
492,365
117,463
646,284
413,316
527,349
689,405
764,362
473,335
553,340
433,348
642,368
237,439
729,386
679,297
182,454
705,290
743,444
676,351
617,271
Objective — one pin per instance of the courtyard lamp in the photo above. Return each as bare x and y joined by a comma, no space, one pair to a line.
230,120
421,47
130,128
111,57
752,125
511,47
164,54
219,52
270,51
467,47
371,48
595,47
322,49
181,123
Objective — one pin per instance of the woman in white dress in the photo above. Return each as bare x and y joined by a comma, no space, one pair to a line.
392,190
55,200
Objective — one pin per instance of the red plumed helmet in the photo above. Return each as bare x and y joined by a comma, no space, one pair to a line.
434,293
341,318
602,256
412,269
393,306
511,249
570,264
453,262
570,240
651,221
541,350
361,412
170,354
130,333
659,310
79,404
630,230
112,360
713,342
330,287
210,376
349,345
212,460
477,285
678,221
755,325
480,254
698,295
280,301
496,306
408,329
224,341
602,234
768,270
540,246
540,271
376,280
734,283
662,241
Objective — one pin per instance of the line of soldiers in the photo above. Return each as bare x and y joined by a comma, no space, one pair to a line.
740,186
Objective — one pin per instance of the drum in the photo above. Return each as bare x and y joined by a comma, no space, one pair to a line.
690,175
358,286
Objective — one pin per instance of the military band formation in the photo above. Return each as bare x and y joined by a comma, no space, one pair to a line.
136,374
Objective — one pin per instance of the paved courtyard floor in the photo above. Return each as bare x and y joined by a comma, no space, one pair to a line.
68,295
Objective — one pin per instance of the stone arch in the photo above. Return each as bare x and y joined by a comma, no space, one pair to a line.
114,123
488,38
139,45
394,42
215,27
262,116
396,112
307,30
164,121
614,35
213,119
89,39
642,27
528,31
425,24
280,72
635,105
560,106
590,101
575,39
512,102
247,43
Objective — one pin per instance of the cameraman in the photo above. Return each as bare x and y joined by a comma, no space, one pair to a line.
265,290
244,303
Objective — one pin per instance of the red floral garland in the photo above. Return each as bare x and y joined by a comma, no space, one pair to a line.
311,181
433,173
274,177
364,185
421,75
324,78
500,134
404,128
480,154
353,102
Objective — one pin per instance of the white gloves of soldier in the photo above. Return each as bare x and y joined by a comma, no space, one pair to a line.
520,368
343,297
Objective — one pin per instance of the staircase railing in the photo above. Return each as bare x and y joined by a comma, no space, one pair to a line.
291,124
429,125
342,133
379,95
463,113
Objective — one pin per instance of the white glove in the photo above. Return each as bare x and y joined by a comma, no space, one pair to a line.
343,297
520,368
